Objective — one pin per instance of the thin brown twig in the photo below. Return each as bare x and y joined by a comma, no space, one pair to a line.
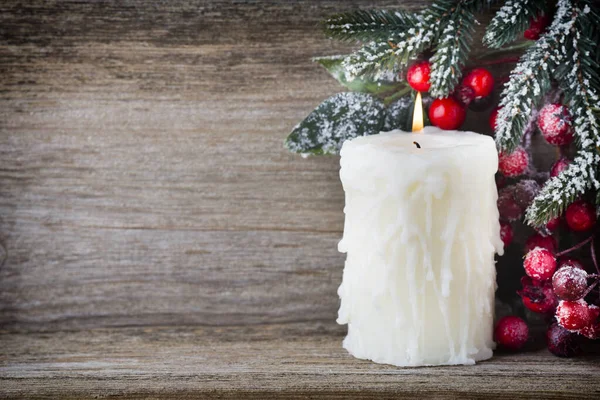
577,246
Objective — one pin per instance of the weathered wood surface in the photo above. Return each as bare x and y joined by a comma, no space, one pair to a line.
143,178
277,361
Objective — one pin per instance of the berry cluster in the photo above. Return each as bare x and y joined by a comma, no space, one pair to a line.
449,113
560,288
554,285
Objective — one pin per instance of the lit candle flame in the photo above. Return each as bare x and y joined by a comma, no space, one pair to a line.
417,124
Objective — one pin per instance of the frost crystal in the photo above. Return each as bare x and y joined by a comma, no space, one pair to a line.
339,118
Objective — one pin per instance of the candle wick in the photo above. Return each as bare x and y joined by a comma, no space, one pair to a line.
417,144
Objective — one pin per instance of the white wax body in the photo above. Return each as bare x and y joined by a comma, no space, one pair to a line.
420,234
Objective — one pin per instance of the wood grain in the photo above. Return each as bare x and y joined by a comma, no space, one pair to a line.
143,178
263,362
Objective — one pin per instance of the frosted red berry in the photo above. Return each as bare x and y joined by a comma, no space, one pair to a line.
554,122
570,283
513,164
540,264
536,27
561,342
511,333
575,315
418,74
569,261
506,233
538,296
559,167
580,216
507,206
446,113
591,331
545,242
494,117
525,191
480,80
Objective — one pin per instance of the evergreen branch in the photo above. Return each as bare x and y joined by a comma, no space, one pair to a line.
577,73
528,82
396,50
398,47
451,52
368,25
511,21
562,190
575,67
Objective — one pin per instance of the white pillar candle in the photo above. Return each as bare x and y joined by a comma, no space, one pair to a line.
420,235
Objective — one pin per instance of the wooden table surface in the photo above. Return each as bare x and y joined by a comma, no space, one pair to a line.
263,362
156,239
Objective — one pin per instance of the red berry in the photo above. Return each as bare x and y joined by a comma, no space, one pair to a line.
540,264
580,216
511,332
525,191
575,315
537,296
446,113
569,261
417,76
536,27
480,80
464,94
494,117
570,283
481,104
559,167
507,206
561,342
501,181
545,242
554,122
553,224
506,233
513,164
591,331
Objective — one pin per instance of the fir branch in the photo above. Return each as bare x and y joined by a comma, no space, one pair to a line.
451,52
575,67
562,190
400,46
368,25
396,50
528,82
511,21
